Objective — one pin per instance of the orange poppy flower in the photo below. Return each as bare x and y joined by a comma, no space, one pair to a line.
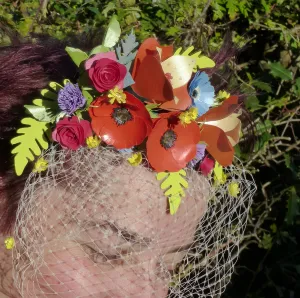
158,76
220,130
120,125
171,145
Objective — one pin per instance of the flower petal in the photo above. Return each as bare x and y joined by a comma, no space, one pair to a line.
183,151
151,83
228,107
109,55
149,47
181,102
218,144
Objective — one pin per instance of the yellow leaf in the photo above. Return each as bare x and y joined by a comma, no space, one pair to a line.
173,184
201,61
31,138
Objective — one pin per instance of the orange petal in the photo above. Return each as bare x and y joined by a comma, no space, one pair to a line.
218,144
228,107
151,83
149,47
183,98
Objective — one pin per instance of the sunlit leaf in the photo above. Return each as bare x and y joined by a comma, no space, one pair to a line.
31,138
77,55
173,184
278,71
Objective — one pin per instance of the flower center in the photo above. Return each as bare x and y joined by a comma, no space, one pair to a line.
168,139
121,115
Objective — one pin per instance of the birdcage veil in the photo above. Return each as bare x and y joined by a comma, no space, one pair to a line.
92,225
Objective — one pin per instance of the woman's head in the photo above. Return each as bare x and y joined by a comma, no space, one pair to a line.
96,226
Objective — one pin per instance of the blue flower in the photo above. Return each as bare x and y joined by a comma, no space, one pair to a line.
201,92
70,98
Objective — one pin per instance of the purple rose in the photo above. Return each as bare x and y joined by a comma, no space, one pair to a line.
70,98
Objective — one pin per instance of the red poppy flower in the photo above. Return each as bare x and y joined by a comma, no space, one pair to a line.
120,125
171,145
220,130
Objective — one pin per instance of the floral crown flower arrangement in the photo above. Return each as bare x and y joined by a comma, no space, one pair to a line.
147,99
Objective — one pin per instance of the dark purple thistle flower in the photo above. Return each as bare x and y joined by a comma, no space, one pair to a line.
70,98
199,155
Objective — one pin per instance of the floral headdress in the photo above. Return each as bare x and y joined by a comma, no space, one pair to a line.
144,100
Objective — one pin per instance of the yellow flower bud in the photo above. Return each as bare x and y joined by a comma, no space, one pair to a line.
188,116
9,243
93,142
135,159
40,165
117,94
234,189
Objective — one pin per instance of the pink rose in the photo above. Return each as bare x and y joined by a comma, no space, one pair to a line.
71,133
206,166
105,72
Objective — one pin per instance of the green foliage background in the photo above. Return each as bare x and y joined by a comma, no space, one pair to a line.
268,71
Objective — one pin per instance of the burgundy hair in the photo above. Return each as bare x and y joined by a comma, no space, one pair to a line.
24,70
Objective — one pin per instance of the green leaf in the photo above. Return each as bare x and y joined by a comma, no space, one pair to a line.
40,113
110,6
266,242
232,6
29,141
113,33
252,103
77,55
296,88
174,184
49,94
293,208
278,71
150,108
262,86
55,86
88,96
99,49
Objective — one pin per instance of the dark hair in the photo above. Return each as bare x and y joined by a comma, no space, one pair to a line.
24,70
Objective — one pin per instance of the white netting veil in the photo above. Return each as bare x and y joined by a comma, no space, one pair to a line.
92,225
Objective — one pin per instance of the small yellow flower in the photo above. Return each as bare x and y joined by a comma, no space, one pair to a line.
222,95
234,189
117,94
188,116
135,159
93,142
40,165
9,243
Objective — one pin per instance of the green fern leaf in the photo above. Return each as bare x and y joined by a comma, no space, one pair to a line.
202,61
29,141
174,184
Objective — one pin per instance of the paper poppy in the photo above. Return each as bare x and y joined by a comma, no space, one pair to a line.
171,145
162,78
220,130
120,125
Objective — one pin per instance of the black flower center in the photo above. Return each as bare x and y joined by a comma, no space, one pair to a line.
168,139
121,115
195,93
